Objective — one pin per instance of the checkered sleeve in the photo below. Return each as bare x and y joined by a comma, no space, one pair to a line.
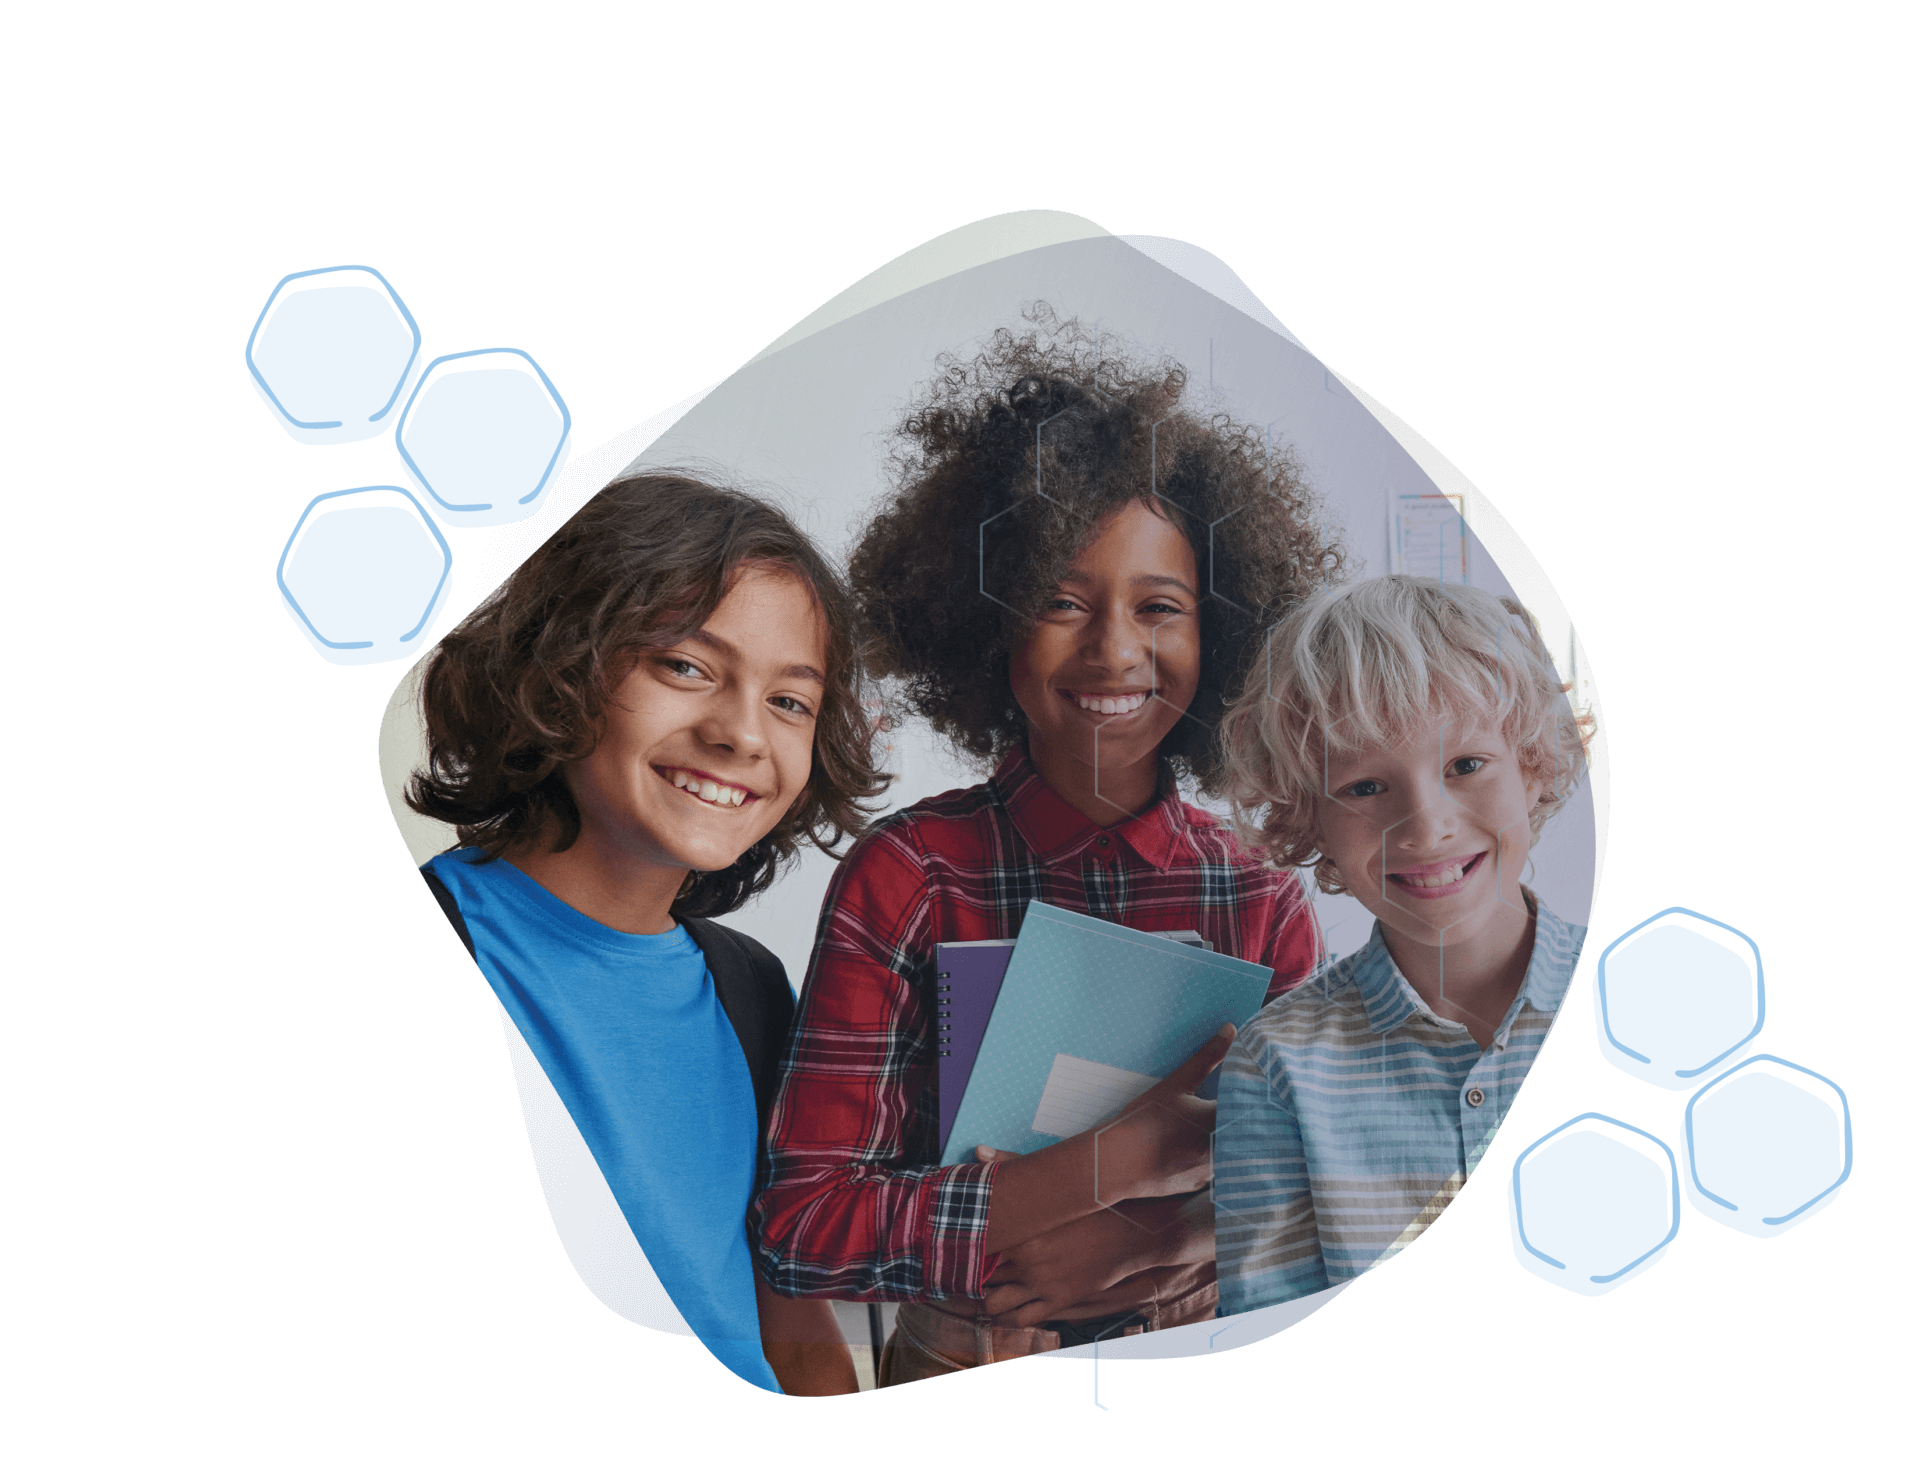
855,1203
1294,946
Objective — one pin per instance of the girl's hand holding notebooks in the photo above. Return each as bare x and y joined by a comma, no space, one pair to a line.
1112,1260
1159,1145
1162,1142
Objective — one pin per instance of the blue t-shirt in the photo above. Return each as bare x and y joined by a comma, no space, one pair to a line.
634,1039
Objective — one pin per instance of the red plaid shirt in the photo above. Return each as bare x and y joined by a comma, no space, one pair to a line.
856,1203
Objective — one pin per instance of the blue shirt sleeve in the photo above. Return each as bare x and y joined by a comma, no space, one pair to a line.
1267,1239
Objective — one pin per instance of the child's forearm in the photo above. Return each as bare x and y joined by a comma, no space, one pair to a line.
1189,1238
811,1368
1040,1192
803,1345
1112,1260
1053,1187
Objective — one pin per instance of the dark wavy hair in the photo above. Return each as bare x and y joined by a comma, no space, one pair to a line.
520,686
1007,466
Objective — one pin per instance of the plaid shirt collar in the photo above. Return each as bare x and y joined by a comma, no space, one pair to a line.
1054,829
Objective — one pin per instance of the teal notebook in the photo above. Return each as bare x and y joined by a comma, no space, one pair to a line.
1089,1016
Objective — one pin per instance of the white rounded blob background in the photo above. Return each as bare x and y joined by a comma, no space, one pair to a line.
805,423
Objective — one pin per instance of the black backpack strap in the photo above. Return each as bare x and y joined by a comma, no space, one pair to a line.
450,907
752,986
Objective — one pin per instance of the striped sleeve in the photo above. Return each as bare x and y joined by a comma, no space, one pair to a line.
1265,1235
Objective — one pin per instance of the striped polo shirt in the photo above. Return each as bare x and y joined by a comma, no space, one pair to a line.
1350,1114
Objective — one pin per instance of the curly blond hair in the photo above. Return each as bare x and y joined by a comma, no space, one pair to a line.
1367,664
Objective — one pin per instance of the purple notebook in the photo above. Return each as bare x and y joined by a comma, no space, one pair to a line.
968,979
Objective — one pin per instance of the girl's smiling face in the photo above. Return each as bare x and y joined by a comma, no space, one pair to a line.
1113,660
1430,834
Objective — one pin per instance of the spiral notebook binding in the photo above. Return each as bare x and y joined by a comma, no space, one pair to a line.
943,1010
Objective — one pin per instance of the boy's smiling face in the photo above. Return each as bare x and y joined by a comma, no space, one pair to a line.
708,743
1430,834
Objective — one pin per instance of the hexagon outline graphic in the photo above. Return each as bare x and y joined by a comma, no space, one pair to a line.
1326,742
1673,1193
277,398
274,298
1154,698
1212,591
980,531
1039,469
1326,577
1211,1189
1500,838
1846,1127
560,443
1728,1076
281,292
325,611
1673,1170
1759,968
1162,498
450,365
429,375
1755,1016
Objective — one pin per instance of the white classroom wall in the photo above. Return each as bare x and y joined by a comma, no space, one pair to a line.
805,423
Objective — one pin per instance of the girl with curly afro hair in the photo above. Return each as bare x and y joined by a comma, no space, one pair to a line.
1069,579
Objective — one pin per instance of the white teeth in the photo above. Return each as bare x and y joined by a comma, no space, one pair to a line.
707,789
1445,878
1112,705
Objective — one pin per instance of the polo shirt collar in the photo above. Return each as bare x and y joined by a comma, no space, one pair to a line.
1545,986
1389,999
1384,990
1053,829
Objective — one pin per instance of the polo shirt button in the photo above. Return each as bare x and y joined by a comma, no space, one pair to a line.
1475,1097
1104,841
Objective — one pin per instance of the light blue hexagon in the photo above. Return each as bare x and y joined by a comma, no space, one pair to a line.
1678,995
1594,1202
331,353
363,572
1768,1144
484,432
